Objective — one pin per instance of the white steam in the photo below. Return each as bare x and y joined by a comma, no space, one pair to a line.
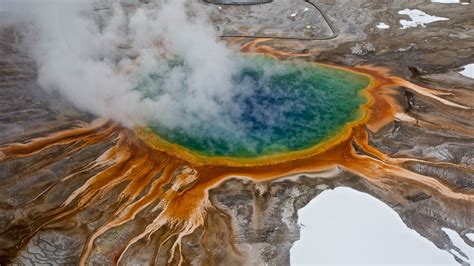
97,61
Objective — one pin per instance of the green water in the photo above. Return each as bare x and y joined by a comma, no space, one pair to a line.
292,108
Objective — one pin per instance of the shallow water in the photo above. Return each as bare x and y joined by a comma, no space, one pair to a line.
281,107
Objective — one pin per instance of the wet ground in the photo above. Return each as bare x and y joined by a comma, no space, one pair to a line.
264,215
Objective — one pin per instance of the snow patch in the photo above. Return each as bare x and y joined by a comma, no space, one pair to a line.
345,226
382,25
470,236
418,18
457,241
468,71
322,186
450,2
446,1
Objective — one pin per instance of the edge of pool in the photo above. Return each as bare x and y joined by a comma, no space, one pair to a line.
175,150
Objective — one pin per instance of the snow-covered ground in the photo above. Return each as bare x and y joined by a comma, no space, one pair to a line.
418,18
446,1
382,25
468,71
470,236
344,226
450,2
457,241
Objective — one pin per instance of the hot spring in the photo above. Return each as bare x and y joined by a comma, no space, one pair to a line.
295,107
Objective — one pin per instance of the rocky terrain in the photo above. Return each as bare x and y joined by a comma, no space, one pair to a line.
251,222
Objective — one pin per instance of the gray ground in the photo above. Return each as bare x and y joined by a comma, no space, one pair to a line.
430,56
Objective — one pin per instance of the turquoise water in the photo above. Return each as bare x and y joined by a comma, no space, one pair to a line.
294,107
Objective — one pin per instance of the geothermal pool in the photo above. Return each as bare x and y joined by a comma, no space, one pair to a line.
292,107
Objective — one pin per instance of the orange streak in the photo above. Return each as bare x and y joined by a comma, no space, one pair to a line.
162,177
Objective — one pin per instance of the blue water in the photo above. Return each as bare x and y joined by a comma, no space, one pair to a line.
293,108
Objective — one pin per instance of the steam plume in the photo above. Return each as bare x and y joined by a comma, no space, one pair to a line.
98,59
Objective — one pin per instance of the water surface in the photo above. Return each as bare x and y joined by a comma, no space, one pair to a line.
278,107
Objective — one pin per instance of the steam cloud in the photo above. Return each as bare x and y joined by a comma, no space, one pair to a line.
96,60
